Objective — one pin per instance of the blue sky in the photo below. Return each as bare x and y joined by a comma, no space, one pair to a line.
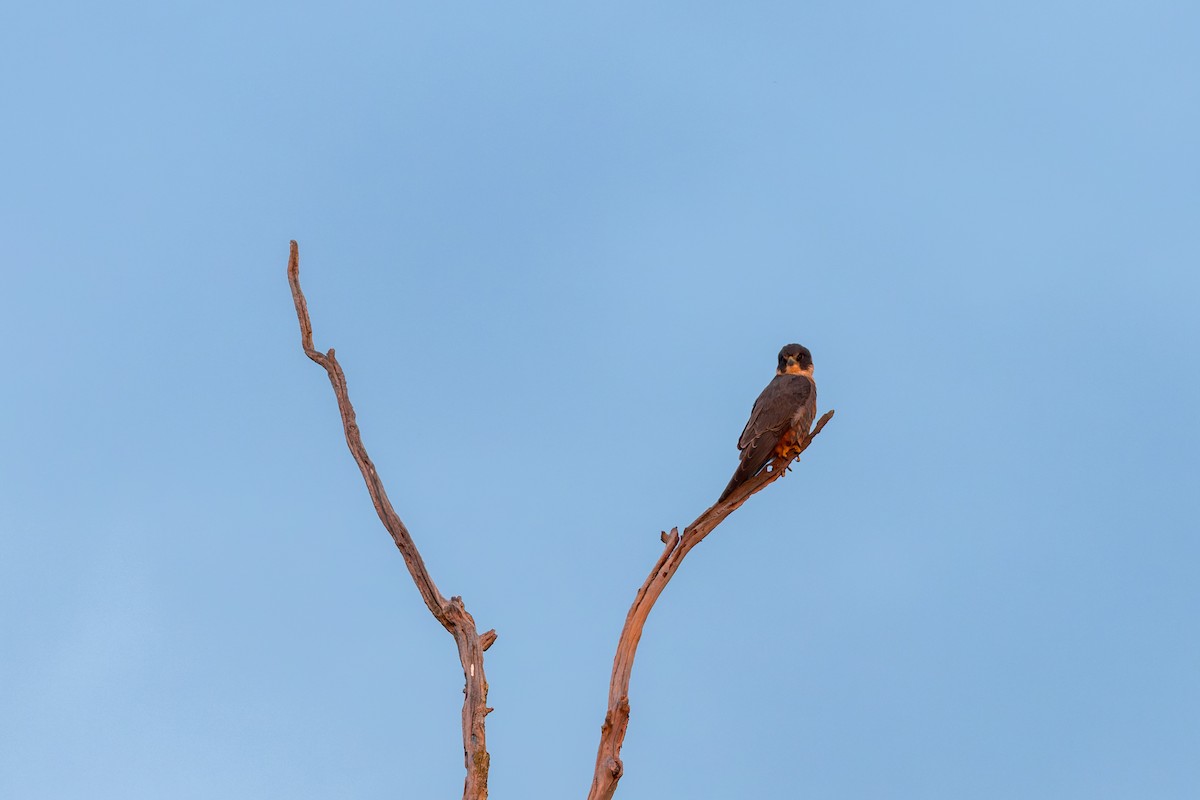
557,247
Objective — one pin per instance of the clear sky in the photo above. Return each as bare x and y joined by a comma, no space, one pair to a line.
557,247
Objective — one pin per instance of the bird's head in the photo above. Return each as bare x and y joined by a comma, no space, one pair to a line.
794,359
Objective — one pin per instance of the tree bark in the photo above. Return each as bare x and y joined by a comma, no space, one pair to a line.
609,767
452,614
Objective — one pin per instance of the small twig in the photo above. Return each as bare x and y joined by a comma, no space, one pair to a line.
609,767
452,614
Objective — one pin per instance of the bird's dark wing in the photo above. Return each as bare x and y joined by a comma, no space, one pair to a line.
771,416
774,409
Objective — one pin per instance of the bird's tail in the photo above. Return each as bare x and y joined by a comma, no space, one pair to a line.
747,469
737,480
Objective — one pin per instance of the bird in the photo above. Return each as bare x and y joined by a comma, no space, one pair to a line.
781,417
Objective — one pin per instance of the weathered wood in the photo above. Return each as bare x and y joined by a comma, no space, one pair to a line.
609,767
452,614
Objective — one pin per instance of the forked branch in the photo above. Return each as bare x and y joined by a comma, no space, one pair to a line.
451,613
612,733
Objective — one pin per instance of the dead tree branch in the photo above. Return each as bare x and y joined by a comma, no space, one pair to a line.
451,613
612,733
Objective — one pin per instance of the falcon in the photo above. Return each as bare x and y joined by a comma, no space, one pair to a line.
781,417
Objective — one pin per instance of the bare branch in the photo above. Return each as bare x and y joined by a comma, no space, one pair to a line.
452,614
616,721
